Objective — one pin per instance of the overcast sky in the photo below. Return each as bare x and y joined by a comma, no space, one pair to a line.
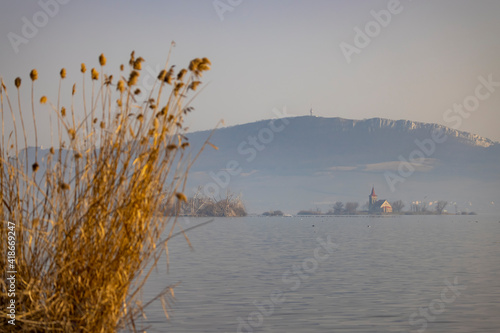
417,61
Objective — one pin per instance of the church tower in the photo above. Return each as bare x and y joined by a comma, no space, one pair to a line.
372,198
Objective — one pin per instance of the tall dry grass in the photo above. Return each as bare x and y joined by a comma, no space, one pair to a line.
85,213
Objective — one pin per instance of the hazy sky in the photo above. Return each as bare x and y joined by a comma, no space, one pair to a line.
415,64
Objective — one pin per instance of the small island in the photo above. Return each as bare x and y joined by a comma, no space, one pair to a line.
383,207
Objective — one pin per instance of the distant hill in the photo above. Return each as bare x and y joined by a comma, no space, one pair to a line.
303,162
297,163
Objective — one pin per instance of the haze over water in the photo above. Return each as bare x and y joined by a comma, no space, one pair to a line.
384,275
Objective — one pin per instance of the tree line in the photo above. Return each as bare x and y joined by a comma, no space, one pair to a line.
351,208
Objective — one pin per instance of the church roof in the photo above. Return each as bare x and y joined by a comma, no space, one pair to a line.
379,203
373,191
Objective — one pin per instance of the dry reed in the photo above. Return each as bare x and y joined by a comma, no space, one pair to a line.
87,230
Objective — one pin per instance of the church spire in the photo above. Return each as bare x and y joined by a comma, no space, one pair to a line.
372,199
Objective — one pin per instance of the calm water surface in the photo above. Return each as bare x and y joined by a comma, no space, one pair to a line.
398,274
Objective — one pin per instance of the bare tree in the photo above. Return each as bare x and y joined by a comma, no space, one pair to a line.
419,207
202,205
397,206
338,208
440,205
351,207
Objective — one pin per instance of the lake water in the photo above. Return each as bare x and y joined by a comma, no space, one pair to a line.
394,274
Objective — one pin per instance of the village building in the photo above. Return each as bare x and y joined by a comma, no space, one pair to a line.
378,206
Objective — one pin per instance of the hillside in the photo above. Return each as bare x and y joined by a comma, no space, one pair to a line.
307,162
304,162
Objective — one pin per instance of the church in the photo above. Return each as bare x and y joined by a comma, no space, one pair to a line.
378,206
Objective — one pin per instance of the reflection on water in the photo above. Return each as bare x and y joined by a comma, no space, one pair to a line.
400,274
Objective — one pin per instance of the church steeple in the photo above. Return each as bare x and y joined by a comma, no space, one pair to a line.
372,199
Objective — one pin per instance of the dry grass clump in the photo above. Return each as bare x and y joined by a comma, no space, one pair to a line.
87,230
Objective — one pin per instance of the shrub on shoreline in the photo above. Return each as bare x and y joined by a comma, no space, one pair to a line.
203,206
273,213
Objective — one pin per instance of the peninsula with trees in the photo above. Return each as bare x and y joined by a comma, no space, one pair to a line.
376,206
